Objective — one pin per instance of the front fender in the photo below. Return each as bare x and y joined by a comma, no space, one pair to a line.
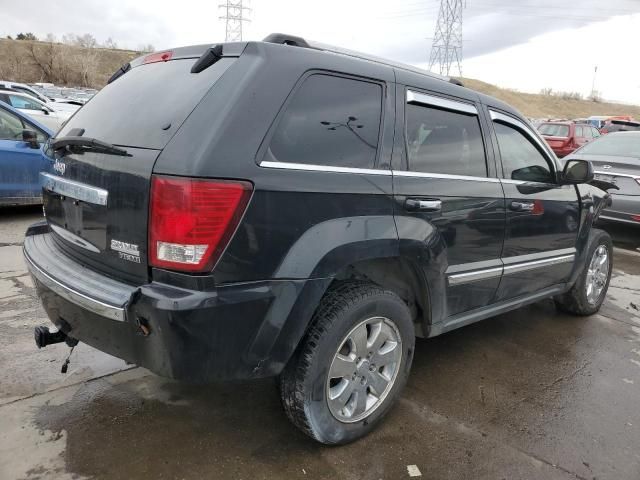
592,201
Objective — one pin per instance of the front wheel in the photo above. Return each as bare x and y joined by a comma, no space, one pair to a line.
351,365
588,293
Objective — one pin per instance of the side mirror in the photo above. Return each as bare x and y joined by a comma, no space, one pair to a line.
46,112
30,137
577,171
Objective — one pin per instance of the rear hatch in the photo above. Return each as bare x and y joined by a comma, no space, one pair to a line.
556,135
97,199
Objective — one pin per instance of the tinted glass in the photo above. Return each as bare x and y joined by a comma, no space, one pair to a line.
554,130
439,141
595,132
330,121
621,144
11,126
521,160
135,109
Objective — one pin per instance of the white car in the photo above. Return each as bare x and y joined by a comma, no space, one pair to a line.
36,109
58,104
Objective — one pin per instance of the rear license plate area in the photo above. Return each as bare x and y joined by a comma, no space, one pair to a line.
85,220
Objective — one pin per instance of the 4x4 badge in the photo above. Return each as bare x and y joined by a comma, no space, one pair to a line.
126,251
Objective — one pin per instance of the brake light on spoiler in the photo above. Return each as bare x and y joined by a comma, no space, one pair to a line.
158,57
191,220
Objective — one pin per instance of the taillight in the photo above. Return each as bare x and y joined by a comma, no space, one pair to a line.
158,57
635,218
191,220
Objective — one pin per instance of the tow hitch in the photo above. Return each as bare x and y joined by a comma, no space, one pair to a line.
44,337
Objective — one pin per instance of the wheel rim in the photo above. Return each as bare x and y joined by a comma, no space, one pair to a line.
364,369
597,274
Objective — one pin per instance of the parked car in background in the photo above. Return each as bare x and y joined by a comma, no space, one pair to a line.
34,108
619,126
616,159
57,104
565,137
21,157
287,240
598,121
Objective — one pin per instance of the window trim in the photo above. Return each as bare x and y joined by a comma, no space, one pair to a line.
512,122
415,97
266,141
418,98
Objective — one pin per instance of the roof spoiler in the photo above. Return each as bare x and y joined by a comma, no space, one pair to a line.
294,41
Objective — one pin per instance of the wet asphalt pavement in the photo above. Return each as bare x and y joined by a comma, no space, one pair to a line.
532,394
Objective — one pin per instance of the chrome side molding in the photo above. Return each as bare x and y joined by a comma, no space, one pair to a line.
511,265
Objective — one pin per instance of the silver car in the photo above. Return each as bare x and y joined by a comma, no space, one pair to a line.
616,159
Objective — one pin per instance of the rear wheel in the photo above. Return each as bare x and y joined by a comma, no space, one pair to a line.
352,364
588,293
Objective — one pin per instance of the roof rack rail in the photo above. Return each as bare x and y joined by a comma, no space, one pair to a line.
285,39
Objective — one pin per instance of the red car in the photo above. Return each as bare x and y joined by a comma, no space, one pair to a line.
565,137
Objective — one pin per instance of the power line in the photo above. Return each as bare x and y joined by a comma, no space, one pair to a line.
446,49
234,14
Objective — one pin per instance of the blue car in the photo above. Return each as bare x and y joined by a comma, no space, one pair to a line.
22,157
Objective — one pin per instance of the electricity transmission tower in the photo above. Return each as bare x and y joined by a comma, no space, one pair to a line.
446,51
234,13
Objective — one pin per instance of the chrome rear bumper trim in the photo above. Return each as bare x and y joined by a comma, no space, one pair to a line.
99,308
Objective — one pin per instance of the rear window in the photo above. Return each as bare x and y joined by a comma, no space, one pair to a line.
554,130
147,105
618,145
333,121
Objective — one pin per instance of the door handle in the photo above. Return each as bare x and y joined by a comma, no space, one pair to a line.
522,206
418,205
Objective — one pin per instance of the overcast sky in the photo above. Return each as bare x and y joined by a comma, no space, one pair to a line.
524,44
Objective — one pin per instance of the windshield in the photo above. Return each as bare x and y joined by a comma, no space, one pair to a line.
554,130
617,145
146,106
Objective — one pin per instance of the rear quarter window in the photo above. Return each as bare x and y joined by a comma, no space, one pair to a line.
330,121
146,106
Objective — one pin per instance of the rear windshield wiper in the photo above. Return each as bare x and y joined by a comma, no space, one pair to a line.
87,144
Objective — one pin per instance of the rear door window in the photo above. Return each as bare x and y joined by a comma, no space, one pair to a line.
330,121
147,105
444,142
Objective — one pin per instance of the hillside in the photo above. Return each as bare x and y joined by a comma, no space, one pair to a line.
68,65
547,106
62,64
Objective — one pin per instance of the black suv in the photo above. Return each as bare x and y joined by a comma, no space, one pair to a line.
282,208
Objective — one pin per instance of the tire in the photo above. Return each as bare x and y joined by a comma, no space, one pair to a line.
578,301
335,334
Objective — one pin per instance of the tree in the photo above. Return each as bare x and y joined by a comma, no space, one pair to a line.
86,41
110,43
26,36
148,48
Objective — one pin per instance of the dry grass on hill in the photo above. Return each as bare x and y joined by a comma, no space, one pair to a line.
548,106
